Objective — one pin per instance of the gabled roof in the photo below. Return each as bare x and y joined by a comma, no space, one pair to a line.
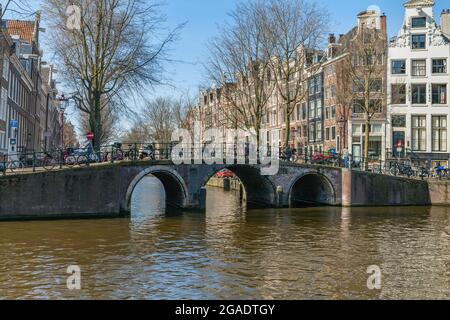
23,29
419,3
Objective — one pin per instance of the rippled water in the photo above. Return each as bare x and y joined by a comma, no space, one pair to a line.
227,253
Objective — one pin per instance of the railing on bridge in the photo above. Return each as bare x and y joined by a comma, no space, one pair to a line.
118,152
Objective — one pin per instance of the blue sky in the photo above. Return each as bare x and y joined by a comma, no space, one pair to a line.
204,16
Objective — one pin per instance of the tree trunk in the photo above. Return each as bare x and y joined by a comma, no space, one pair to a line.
366,142
287,120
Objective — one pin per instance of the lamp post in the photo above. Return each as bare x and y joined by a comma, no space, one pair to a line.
63,103
341,124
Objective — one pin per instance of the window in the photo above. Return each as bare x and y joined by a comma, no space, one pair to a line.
420,22
298,112
333,133
5,68
398,92
375,105
398,121
439,66
439,133
311,86
419,133
333,112
439,95
312,110
356,130
3,104
419,94
358,106
327,113
376,85
327,133
319,84
319,131
419,68
398,66
319,108
418,41
358,85
311,132
304,110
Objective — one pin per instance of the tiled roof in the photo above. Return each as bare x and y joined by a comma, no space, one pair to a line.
23,29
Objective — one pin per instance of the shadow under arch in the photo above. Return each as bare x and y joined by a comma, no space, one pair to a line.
312,189
174,186
259,190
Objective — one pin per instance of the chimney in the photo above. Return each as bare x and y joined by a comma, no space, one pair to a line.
341,38
383,24
331,39
445,22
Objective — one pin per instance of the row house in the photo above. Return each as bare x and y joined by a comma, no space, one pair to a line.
27,97
329,116
418,85
344,116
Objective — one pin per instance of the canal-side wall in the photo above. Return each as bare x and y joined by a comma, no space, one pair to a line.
440,192
368,189
78,193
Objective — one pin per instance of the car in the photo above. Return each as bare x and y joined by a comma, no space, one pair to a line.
224,173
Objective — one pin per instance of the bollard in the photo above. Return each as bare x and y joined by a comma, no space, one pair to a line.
112,154
226,184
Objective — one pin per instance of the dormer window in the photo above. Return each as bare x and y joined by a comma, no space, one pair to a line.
419,22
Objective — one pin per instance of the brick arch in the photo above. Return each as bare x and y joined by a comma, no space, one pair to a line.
174,185
260,191
312,188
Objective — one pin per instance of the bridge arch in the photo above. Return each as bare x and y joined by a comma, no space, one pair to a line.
312,189
259,190
174,186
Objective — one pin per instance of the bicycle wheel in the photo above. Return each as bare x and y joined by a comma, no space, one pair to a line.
83,161
394,171
118,155
49,163
132,155
15,165
70,161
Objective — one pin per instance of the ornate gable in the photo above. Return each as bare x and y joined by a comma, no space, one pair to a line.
419,3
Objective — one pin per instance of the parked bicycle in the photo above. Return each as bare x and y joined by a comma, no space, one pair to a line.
402,169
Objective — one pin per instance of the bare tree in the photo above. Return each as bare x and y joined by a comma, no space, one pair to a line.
184,112
19,8
364,65
110,125
239,65
296,31
115,51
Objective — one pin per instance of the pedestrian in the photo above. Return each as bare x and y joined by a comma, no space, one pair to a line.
288,153
345,157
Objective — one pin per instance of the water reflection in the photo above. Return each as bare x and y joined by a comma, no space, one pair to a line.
319,253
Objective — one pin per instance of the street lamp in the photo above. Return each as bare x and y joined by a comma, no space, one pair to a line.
341,124
63,103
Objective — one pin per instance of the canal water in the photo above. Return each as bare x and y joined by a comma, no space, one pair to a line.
230,253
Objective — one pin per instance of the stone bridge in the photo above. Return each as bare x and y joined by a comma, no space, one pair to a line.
106,190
